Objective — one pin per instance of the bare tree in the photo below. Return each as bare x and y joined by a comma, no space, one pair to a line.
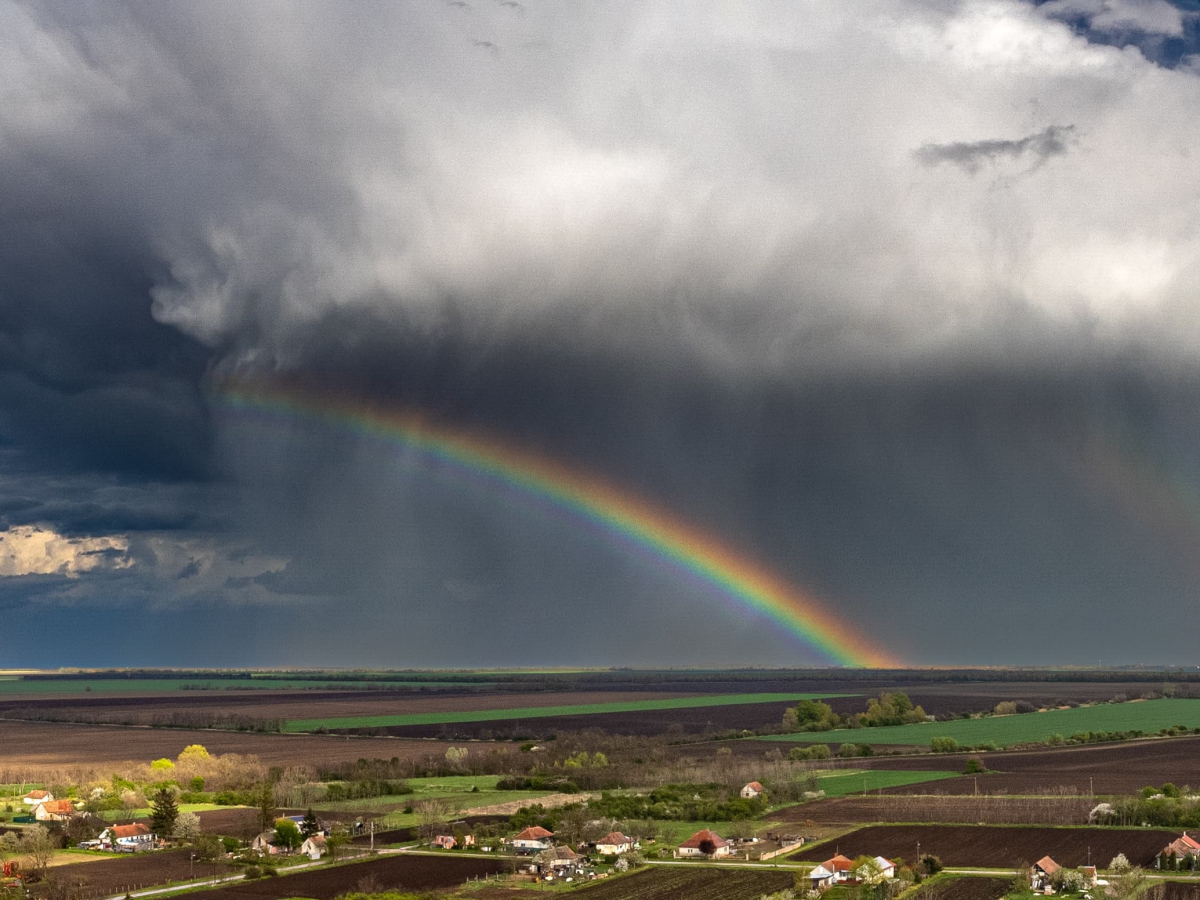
432,816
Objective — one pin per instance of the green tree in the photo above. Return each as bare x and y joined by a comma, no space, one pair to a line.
164,810
310,825
287,834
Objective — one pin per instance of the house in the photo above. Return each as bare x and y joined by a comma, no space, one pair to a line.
127,838
445,841
313,847
535,838
53,811
1043,870
705,843
1180,848
264,844
886,867
560,862
613,844
822,877
752,791
833,871
468,840
33,798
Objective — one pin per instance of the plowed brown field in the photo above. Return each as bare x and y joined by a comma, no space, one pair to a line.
996,846
988,810
39,745
694,883
399,873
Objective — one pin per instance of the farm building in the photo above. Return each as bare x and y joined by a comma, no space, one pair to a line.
445,841
314,846
886,867
752,791
1043,870
127,838
33,798
705,843
533,838
53,811
1180,848
561,862
613,844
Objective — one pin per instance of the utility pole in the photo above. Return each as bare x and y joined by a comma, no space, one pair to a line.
372,835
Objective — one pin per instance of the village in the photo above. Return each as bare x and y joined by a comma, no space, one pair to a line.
530,855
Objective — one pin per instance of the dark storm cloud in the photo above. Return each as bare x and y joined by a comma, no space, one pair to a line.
695,255
1037,148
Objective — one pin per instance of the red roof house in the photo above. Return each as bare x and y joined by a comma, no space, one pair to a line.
705,843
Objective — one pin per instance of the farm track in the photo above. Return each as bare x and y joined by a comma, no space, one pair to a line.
987,846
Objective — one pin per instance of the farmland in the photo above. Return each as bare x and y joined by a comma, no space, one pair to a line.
993,810
875,779
965,887
671,882
1148,716
997,846
36,746
502,714
124,873
400,873
1120,768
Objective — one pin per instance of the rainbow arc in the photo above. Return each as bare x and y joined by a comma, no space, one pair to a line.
585,497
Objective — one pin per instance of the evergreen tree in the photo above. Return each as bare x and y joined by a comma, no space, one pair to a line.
164,811
310,825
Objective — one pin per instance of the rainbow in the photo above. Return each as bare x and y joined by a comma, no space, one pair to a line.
583,497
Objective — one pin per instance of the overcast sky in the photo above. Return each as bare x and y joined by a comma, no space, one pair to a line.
898,298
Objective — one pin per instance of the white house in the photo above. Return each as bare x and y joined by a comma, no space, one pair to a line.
535,837
705,843
752,791
313,847
264,844
886,867
33,798
127,838
833,871
613,844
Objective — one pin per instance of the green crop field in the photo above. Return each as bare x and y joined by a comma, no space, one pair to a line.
874,779
1148,715
542,712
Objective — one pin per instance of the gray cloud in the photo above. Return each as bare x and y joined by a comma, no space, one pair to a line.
971,155
694,254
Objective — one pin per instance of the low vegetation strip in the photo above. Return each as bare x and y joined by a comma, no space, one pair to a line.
996,846
535,712
1148,716
875,779
15,688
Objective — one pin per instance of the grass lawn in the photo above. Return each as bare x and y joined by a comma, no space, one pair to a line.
873,779
541,712
1145,715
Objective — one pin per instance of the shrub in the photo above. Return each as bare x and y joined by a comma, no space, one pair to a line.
974,766
819,751
943,745
930,864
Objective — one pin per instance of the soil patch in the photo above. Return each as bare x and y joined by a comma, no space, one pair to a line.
392,873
